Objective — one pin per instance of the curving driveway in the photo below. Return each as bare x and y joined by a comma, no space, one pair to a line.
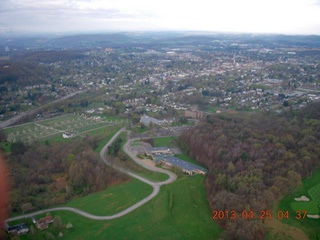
155,185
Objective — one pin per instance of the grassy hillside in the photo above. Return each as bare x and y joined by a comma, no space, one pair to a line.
180,211
309,226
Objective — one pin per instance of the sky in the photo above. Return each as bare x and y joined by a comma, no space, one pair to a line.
238,16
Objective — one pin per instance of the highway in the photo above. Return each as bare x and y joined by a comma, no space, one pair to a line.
154,185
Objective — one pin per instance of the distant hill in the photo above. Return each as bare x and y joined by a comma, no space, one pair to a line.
147,39
48,56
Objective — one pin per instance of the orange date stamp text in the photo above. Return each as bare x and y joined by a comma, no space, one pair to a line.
262,214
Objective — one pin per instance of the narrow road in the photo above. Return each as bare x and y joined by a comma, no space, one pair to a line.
155,186
172,176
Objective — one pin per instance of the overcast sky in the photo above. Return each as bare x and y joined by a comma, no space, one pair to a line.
254,16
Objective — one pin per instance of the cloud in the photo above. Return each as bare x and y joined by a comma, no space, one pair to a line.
315,2
228,15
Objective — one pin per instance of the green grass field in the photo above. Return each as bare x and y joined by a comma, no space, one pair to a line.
185,157
314,193
114,199
162,142
311,207
6,146
52,129
310,189
188,216
211,109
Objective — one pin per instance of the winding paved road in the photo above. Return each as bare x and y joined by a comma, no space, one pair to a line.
155,185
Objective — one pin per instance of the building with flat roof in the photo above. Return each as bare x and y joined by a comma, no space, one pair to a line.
158,150
164,156
192,114
185,166
146,120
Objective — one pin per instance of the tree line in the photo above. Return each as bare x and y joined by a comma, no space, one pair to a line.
44,175
253,160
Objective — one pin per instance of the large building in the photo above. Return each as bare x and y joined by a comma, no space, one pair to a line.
164,156
192,114
158,150
146,120
185,166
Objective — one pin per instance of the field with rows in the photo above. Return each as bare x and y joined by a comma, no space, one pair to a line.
67,126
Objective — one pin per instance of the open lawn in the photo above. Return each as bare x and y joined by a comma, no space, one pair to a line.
6,146
311,207
114,199
314,193
113,118
52,129
280,231
162,142
185,157
309,189
180,211
134,167
211,109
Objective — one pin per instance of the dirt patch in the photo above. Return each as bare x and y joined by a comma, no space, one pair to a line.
106,195
233,112
148,162
278,228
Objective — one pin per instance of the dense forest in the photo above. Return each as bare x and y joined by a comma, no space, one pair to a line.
26,69
48,56
253,160
22,73
44,175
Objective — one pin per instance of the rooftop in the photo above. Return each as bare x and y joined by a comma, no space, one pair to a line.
147,120
183,164
152,149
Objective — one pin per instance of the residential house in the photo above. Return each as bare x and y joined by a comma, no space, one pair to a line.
18,229
43,223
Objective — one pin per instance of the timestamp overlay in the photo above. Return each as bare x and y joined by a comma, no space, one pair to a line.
262,214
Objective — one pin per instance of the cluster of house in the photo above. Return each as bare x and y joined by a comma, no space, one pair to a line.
164,156
22,228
